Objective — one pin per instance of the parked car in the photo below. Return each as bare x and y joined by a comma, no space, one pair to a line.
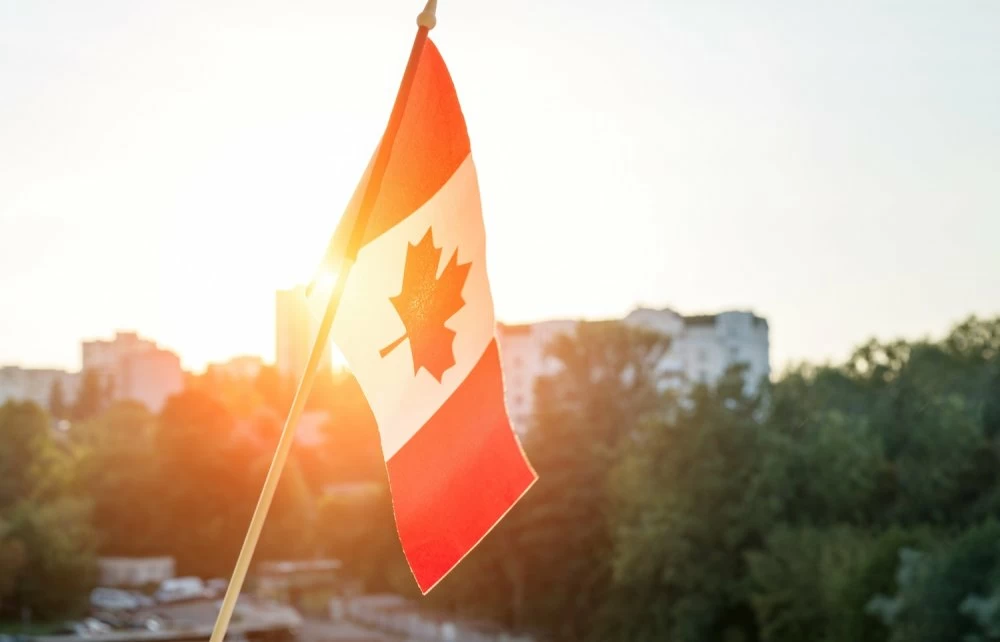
110,599
179,589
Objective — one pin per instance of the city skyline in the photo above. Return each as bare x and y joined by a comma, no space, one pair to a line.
167,168
337,362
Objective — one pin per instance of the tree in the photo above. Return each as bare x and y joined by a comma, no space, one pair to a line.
977,340
689,506
833,472
118,468
239,395
57,557
722,518
934,583
209,475
91,397
46,539
608,379
12,561
290,530
356,525
991,407
275,390
205,480
57,401
350,450
24,428
811,583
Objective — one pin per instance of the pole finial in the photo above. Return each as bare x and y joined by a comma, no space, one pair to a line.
427,17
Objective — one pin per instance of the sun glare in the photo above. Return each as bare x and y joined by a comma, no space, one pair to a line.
317,298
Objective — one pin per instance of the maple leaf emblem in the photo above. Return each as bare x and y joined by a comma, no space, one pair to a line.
425,302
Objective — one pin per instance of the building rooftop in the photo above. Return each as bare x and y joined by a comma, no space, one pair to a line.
691,319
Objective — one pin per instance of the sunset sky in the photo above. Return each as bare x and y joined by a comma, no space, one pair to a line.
835,167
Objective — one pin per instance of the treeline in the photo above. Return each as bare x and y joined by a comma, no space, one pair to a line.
124,482
849,502
852,502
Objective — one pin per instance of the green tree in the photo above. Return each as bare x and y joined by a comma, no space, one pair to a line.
57,557
976,340
118,468
689,507
46,539
932,586
91,397
810,583
57,401
831,471
12,562
991,407
24,428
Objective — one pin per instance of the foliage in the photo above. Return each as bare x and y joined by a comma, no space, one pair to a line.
25,430
116,468
810,583
57,401
934,586
779,518
849,502
548,565
672,556
57,565
47,543
92,397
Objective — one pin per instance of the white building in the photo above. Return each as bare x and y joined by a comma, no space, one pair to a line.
702,348
295,328
522,356
31,384
135,369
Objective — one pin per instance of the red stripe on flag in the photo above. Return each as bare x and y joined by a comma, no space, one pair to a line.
454,480
430,145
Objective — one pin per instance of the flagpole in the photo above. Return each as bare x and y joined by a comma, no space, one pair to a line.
425,22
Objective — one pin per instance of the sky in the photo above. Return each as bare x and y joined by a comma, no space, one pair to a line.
834,167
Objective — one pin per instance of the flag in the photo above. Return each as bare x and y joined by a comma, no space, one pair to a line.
416,327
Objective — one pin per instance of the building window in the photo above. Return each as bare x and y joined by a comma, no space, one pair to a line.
518,362
518,400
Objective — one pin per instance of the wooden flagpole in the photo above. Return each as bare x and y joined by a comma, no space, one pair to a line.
425,22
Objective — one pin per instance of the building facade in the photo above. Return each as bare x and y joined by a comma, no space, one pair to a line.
295,329
702,348
523,358
35,384
135,369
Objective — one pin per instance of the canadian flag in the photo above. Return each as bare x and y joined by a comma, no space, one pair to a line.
416,326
